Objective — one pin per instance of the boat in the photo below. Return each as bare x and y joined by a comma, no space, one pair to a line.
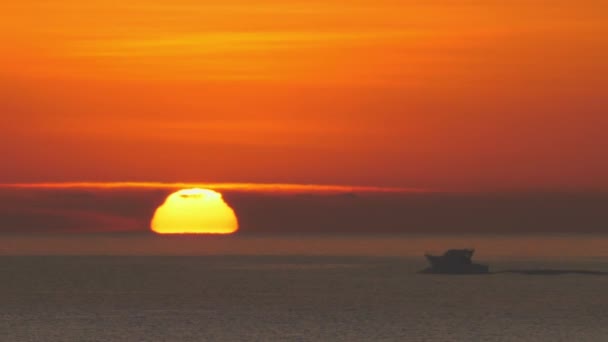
455,261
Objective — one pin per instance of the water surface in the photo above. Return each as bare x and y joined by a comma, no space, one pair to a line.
296,289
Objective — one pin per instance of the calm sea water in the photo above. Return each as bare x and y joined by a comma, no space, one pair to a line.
296,289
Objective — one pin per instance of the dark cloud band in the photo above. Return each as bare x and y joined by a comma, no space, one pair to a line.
305,209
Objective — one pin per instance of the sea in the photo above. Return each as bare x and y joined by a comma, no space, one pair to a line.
300,288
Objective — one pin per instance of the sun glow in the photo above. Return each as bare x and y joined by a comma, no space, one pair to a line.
194,211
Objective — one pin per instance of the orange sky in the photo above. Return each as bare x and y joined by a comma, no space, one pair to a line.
439,94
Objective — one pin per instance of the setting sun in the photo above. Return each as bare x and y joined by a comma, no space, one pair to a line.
194,211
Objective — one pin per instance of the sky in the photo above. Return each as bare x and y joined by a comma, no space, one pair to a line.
454,95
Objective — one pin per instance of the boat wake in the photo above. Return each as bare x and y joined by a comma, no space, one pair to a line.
553,272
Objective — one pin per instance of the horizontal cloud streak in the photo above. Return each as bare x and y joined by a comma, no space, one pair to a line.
241,187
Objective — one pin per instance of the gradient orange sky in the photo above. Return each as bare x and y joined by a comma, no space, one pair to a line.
438,94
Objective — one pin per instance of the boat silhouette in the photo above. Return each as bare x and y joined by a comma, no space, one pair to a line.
455,261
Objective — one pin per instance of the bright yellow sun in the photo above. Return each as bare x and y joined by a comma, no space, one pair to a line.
194,211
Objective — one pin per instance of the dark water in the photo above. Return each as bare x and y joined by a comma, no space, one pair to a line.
296,298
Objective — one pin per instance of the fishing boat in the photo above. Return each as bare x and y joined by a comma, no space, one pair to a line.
455,261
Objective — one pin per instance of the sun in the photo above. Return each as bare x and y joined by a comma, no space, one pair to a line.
194,211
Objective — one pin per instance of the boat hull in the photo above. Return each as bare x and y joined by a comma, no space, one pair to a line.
457,269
